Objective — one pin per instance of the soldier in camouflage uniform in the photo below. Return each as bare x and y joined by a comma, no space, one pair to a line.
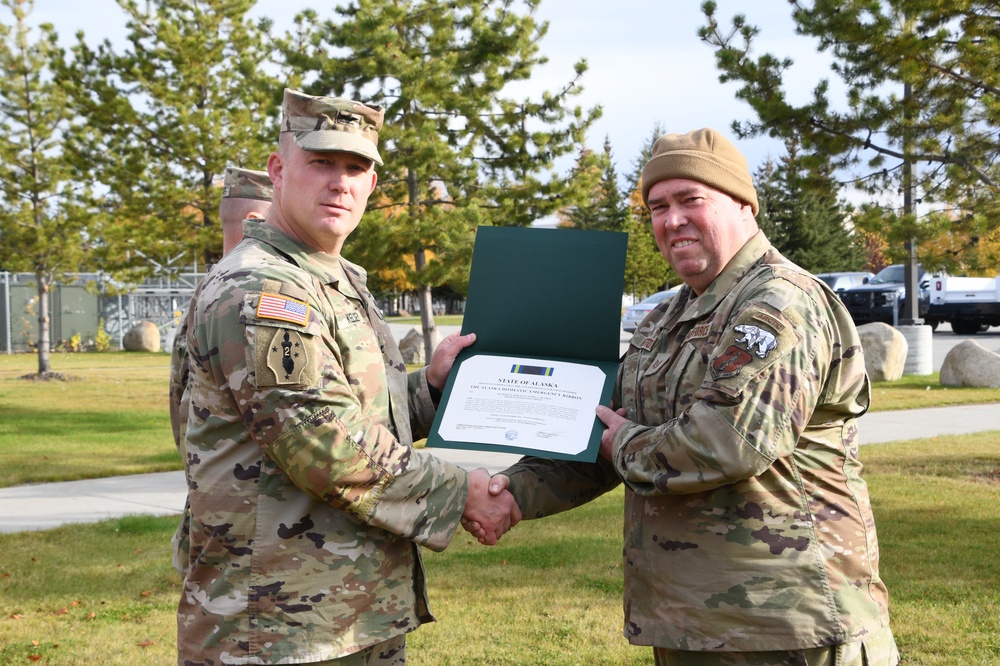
309,503
749,536
246,194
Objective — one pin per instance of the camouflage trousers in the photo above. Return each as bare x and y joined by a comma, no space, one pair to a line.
388,653
876,650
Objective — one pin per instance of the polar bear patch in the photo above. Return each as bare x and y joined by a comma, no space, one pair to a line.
757,340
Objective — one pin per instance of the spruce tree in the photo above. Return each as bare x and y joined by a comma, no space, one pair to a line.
801,216
605,209
188,95
921,89
646,270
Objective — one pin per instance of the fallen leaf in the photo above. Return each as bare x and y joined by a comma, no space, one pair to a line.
137,552
76,603
91,616
35,643
145,644
5,575
62,611
15,616
146,593
34,657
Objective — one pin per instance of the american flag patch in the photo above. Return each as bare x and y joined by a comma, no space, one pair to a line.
273,306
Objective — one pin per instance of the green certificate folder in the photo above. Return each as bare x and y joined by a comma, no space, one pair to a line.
545,305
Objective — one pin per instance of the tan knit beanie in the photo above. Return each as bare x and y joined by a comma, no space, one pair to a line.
703,155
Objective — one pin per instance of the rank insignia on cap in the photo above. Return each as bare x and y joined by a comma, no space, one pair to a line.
274,306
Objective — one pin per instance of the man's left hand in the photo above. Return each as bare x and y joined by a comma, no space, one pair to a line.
613,419
444,358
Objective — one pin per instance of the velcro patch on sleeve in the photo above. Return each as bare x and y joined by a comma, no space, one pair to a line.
284,357
756,339
282,308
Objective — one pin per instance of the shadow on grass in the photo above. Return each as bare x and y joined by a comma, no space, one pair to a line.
41,444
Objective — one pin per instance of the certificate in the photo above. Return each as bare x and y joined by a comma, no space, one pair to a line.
548,408
545,305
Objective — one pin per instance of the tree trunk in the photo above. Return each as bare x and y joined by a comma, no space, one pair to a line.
419,261
44,330
427,324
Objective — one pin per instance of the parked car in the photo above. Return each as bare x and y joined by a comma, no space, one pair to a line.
882,297
636,313
845,280
970,304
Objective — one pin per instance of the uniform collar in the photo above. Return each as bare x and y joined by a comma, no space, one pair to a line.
329,269
745,259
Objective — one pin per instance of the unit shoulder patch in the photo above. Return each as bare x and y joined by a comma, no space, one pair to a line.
758,340
729,363
285,357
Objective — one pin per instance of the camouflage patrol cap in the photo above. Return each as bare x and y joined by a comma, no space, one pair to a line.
332,123
240,183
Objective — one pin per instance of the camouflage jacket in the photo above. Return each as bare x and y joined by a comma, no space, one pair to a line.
308,501
178,401
747,525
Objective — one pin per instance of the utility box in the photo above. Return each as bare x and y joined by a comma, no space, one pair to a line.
19,308
73,311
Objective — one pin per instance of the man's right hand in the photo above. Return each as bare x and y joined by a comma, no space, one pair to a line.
497,488
491,509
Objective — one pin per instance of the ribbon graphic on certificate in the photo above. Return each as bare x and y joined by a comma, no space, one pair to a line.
546,352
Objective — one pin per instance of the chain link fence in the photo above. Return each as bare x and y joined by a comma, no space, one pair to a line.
81,305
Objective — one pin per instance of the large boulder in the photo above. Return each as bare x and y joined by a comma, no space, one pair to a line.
144,336
411,347
970,364
885,351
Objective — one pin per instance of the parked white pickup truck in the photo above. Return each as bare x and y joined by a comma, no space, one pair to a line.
969,304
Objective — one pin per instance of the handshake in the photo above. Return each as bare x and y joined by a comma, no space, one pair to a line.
490,509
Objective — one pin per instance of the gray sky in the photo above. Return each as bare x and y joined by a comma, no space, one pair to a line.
646,62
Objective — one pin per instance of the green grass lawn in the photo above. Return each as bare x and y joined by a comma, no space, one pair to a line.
550,593
439,320
112,418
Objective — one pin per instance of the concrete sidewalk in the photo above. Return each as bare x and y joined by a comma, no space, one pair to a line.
47,505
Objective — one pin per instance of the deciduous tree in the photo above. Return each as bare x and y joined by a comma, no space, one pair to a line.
43,228
188,95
